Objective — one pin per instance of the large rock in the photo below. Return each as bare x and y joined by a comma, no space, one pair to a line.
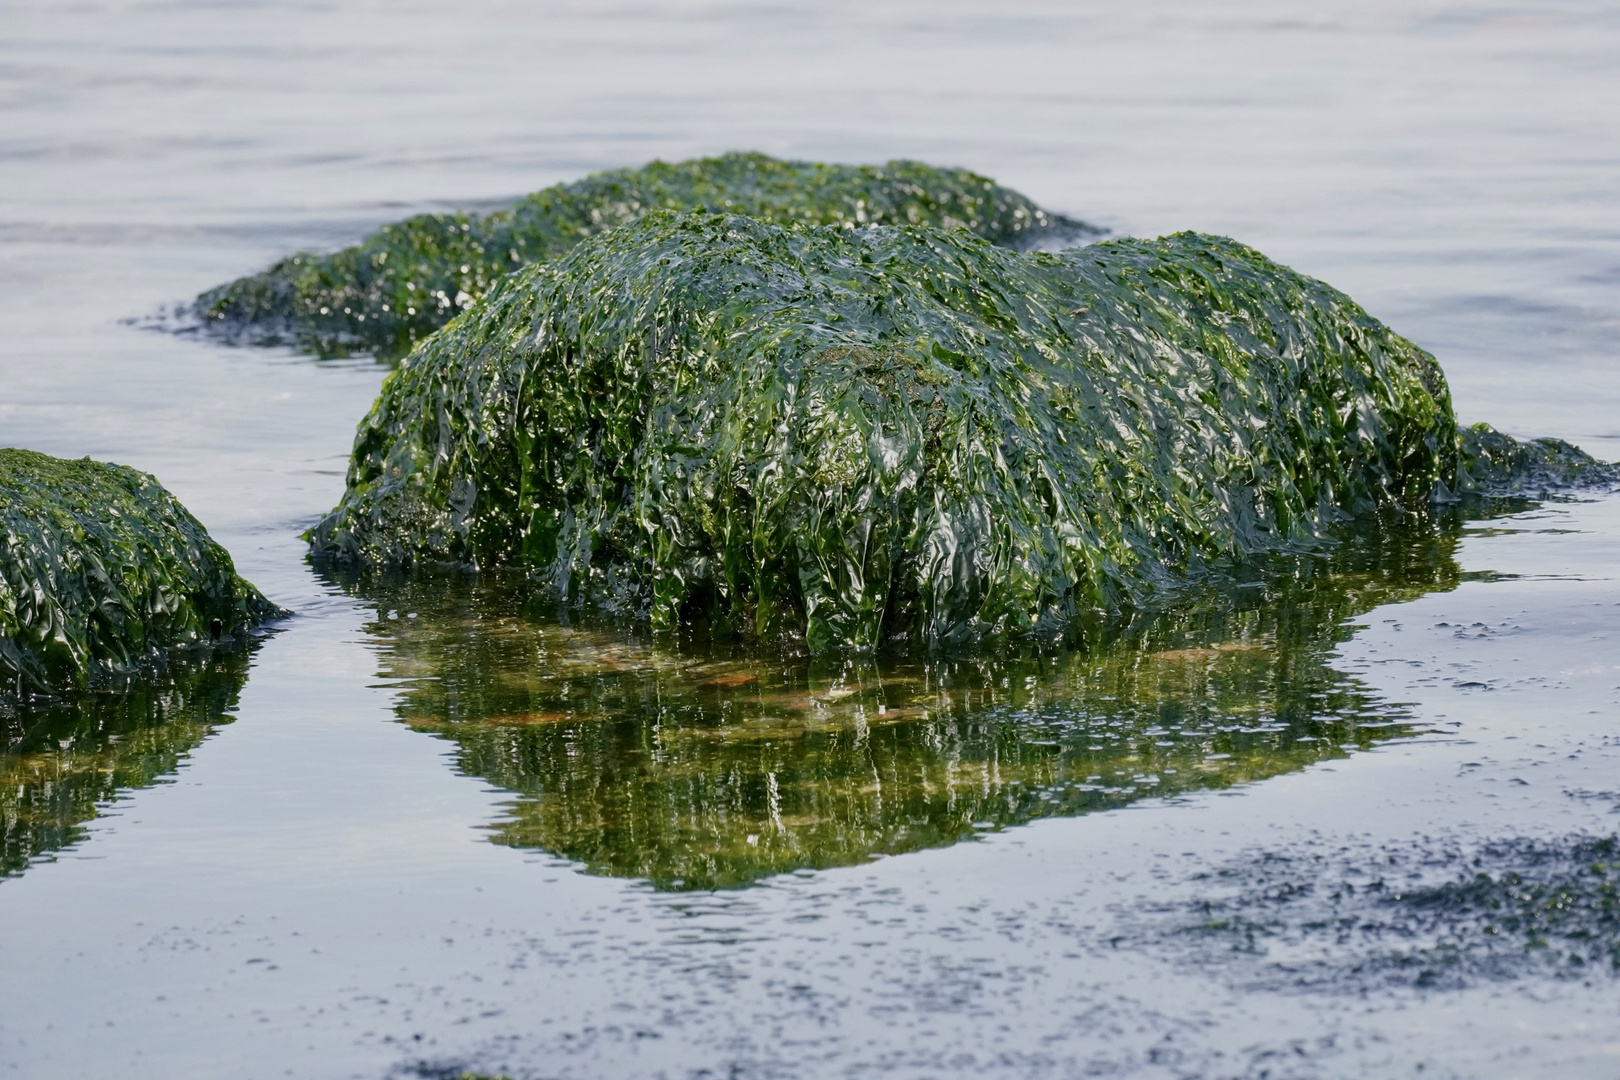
896,433
103,572
401,283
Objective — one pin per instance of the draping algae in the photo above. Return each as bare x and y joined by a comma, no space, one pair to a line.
64,761
103,573
857,438
397,286
695,763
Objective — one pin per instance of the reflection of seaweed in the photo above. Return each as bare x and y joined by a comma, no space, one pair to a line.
62,762
700,768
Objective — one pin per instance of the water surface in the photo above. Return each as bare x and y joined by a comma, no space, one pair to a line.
486,837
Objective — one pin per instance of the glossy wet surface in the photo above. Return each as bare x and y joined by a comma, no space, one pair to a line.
1346,822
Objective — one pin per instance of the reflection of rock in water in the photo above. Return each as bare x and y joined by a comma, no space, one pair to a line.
696,768
61,763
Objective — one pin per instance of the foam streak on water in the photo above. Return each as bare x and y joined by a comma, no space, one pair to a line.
314,893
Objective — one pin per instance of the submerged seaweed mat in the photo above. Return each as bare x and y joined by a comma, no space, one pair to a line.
103,572
63,762
704,766
400,284
890,434
1436,916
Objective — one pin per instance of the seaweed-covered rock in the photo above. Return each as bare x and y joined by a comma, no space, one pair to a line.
102,571
401,283
1494,464
887,433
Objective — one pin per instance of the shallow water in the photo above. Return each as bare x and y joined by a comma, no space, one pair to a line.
295,875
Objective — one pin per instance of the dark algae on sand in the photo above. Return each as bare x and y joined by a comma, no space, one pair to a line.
891,434
103,573
1429,914
401,283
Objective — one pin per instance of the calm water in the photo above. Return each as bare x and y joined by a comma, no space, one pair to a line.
430,826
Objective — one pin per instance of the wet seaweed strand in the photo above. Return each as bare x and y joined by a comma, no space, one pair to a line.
887,434
102,571
403,282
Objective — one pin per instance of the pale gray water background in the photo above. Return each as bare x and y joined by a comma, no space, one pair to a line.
312,896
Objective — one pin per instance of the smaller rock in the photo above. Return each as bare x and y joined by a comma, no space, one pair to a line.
103,572
1493,464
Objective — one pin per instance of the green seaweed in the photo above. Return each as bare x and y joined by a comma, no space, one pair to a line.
400,284
696,764
64,761
888,435
102,573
